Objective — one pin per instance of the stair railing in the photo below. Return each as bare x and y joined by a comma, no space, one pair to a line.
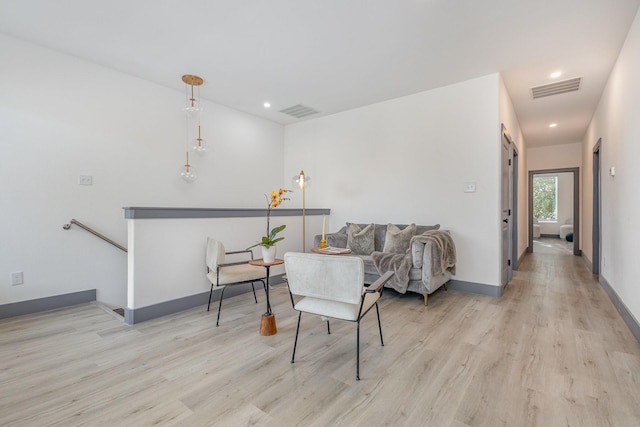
94,232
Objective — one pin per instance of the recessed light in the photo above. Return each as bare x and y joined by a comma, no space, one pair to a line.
556,74
552,125
267,105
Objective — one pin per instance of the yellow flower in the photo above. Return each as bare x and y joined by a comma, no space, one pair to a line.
274,199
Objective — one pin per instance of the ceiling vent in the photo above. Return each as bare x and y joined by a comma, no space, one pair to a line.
299,111
556,88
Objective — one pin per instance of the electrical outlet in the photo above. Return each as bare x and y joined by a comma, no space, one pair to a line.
17,278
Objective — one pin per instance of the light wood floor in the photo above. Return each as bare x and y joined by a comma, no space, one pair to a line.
551,352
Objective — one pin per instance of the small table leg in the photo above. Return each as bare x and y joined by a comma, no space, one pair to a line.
268,321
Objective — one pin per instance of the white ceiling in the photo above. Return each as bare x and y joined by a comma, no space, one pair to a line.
334,55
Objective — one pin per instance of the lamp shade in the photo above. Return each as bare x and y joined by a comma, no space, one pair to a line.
301,180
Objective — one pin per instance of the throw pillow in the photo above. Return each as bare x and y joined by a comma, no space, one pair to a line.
397,241
360,240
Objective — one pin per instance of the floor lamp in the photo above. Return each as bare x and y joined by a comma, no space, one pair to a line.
303,181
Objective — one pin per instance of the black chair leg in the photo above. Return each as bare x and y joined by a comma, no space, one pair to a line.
220,306
379,325
210,293
328,328
295,343
358,353
254,293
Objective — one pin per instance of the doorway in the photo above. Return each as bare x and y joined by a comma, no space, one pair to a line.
576,204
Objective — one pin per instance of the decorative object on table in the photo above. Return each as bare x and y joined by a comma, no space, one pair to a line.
302,181
332,287
268,242
323,242
223,273
330,250
192,108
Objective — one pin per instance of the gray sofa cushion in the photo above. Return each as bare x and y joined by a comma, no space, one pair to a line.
339,238
360,240
396,240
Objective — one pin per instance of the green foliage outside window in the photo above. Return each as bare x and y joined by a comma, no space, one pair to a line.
544,198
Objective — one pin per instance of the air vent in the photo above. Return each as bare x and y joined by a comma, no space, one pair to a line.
557,88
299,111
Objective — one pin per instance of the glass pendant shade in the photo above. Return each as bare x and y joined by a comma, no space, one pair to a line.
188,172
199,145
192,108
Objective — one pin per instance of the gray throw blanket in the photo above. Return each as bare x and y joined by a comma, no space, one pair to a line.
443,259
400,264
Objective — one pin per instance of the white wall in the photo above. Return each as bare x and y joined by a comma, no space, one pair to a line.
61,117
406,160
617,122
554,157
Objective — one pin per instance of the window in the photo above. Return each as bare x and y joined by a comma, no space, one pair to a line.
545,198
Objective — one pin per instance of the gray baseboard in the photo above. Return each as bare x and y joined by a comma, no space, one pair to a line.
626,315
137,315
475,288
557,236
46,303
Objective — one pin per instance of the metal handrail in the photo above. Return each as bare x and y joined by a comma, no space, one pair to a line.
94,232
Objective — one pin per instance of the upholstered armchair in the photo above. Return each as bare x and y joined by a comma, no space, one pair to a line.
222,272
332,286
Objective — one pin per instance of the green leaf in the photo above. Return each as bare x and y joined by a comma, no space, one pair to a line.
273,242
276,230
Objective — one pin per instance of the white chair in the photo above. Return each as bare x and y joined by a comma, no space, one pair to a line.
222,274
332,286
566,228
536,228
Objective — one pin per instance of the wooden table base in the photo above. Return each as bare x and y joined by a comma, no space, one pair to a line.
268,325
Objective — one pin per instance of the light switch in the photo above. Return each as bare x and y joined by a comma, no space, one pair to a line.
469,187
612,171
85,180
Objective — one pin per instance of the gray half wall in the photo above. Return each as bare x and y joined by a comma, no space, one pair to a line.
46,303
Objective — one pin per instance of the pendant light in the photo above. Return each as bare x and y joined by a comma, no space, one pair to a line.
192,108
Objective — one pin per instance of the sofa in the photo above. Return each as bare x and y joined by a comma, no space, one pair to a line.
421,256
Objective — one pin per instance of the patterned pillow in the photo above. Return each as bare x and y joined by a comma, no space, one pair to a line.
397,241
360,241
